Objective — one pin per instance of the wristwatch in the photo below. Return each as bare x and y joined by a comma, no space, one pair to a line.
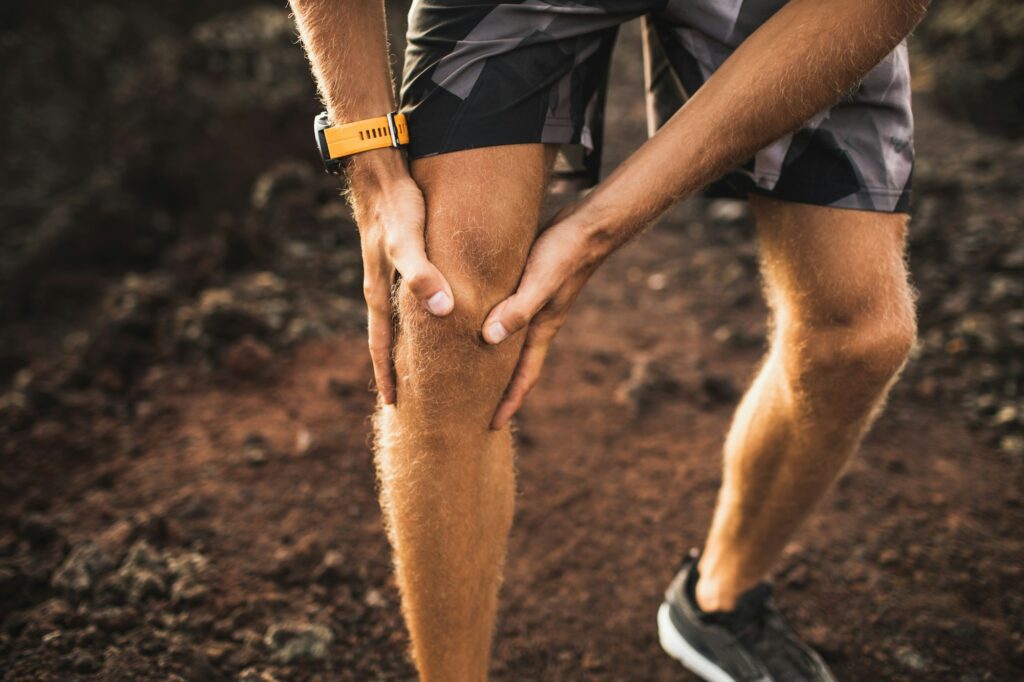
337,142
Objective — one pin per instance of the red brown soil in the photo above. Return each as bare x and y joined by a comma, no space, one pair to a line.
911,570
905,573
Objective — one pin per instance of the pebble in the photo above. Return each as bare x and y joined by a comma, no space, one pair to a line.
256,675
38,530
256,449
293,641
83,662
911,659
249,358
331,569
77,575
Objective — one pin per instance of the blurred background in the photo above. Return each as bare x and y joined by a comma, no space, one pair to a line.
186,485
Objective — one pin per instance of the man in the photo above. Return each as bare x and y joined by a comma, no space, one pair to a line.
810,98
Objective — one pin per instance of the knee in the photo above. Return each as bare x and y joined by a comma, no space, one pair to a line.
865,346
445,360
481,263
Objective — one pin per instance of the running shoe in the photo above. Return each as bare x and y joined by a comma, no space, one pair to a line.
751,643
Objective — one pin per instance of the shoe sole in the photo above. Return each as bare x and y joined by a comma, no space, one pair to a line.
681,650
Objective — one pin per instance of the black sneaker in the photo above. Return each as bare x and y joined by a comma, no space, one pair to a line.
751,643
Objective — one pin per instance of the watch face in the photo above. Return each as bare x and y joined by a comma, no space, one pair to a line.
321,123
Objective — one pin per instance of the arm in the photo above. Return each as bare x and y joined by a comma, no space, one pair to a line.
759,94
346,43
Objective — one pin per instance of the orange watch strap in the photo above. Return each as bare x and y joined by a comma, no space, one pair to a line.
362,136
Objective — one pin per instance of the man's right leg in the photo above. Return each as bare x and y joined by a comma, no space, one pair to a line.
447,479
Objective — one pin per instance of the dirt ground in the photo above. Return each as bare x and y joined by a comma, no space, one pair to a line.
207,510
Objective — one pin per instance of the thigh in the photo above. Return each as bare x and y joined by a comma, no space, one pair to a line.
828,266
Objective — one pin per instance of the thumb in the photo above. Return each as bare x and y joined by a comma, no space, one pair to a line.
514,313
422,277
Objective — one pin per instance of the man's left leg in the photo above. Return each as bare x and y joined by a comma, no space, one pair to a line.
843,323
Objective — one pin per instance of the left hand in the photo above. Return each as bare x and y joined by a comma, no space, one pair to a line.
560,262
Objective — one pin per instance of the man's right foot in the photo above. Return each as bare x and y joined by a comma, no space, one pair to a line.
751,643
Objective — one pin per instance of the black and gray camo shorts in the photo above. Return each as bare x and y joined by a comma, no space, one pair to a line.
481,74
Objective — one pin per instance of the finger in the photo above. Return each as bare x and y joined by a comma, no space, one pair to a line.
516,311
408,254
531,361
378,301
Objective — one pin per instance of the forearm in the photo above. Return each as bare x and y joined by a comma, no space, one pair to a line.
346,42
799,62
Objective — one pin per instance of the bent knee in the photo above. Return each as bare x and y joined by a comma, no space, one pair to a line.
445,360
867,346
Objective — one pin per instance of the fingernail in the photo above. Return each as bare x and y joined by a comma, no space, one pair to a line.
496,332
440,303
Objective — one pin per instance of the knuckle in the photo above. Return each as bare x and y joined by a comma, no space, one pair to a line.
376,299
515,319
392,243
417,280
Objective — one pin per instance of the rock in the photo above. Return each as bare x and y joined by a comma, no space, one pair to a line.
374,599
727,211
141,575
294,641
80,570
256,449
1012,445
83,662
911,659
54,613
185,571
293,564
249,358
889,557
648,380
657,281
797,577
192,663
244,656
303,440
256,305
331,569
38,530
223,317
593,662
115,619
281,182
151,646
256,675
194,506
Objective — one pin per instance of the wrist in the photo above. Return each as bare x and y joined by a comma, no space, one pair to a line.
376,170
601,226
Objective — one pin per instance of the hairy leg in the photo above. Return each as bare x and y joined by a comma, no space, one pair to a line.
447,479
843,319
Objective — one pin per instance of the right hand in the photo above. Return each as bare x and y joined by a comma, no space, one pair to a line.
391,223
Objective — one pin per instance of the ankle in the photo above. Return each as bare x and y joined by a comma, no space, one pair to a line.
714,595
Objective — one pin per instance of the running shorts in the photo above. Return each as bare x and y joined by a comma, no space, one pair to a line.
481,74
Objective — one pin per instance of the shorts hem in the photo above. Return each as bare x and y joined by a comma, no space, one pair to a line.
438,139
